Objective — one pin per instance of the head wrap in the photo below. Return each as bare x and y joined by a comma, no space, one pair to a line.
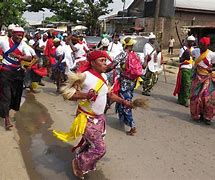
54,33
205,40
92,56
11,26
37,32
105,42
128,41
152,36
191,38
18,29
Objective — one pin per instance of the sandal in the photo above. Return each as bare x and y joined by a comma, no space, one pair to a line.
76,172
131,132
7,124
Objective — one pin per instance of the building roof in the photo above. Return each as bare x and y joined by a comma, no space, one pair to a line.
196,4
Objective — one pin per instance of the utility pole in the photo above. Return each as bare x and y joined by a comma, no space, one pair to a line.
156,15
123,9
43,19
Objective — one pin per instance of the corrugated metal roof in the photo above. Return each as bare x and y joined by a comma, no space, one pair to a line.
196,4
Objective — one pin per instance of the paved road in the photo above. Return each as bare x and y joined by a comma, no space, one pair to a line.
168,144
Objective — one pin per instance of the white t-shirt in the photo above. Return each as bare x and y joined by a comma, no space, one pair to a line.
29,51
80,54
4,44
42,43
68,57
210,57
90,82
171,42
59,52
115,49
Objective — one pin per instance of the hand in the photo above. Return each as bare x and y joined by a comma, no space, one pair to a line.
148,58
91,95
128,104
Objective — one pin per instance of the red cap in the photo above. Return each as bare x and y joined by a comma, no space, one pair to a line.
205,40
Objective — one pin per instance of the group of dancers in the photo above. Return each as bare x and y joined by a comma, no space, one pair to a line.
97,78
196,79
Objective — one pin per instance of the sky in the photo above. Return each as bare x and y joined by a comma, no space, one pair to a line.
37,17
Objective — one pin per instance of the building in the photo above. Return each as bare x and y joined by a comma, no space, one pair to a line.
193,16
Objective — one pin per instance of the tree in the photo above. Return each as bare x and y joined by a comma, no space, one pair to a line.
86,11
93,10
65,10
11,12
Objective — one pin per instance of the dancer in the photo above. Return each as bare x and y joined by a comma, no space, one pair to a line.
202,100
184,77
90,120
130,71
153,62
11,74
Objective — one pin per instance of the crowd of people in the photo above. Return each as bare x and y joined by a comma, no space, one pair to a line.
109,73
195,80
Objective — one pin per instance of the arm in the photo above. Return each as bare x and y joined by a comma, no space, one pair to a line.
118,99
80,95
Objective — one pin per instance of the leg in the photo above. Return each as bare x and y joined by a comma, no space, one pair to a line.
86,160
5,98
147,83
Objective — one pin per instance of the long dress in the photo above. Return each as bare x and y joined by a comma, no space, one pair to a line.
184,79
127,84
202,100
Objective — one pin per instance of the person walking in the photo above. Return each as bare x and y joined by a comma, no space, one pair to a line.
171,45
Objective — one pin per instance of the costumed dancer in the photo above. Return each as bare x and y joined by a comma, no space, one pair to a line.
152,56
91,91
130,71
59,67
80,50
202,99
11,74
184,77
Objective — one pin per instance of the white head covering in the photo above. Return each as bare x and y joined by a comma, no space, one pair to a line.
152,36
18,29
65,34
2,33
31,42
11,26
46,34
105,42
36,32
191,38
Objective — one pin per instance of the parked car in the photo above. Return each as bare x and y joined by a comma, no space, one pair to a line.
140,42
92,41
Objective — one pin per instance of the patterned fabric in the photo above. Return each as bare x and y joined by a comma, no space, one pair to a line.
94,147
149,80
184,93
126,92
202,100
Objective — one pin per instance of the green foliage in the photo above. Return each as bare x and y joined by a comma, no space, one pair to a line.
93,10
11,12
86,11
